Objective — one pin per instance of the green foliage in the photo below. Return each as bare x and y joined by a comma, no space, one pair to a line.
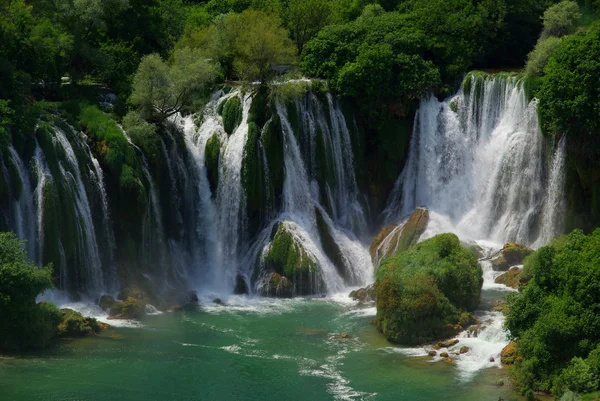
561,19
25,323
161,90
555,320
74,324
212,154
254,181
232,114
305,18
539,56
422,292
145,135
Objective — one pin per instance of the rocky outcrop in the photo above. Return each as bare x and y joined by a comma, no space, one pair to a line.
130,308
514,278
364,295
74,324
510,255
106,302
509,354
287,267
397,238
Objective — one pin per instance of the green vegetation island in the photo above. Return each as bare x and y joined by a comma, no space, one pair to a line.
300,199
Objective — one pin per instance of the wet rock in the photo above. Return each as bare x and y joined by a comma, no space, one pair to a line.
176,308
241,287
130,308
448,360
476,249
492,360
500,306
509,354
397,238
464,349
192,297
513,278
432,353
74,324
444,355
105,302
218,301
448,344
364,295
342,336
511,255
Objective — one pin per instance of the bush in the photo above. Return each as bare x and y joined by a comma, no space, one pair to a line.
25,324
422,293
561,19
555,320
232,114
212,154
539,56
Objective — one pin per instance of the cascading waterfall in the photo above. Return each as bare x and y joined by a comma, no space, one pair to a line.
478,160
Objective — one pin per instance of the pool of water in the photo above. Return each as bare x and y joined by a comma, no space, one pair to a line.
250,349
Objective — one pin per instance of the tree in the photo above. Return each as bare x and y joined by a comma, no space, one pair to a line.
561,19
161,90
263,44
305,18
539,56
26,324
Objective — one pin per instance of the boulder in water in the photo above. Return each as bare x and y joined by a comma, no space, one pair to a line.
74,324
447,344
427,292
464,349
444,355
218,301
397,238
364,295
509,354
331,248
130,308
105,302
176,308
511,255
513,278
288,268
241,288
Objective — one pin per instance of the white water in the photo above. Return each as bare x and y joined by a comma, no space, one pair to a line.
482,167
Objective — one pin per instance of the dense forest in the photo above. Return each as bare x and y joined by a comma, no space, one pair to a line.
105,67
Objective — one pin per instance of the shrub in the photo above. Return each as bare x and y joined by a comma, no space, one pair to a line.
561,19
539,56
25,324
232,114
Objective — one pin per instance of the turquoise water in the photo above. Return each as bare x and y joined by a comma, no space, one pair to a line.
256,349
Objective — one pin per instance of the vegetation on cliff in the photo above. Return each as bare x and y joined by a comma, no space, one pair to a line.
555,319
427,292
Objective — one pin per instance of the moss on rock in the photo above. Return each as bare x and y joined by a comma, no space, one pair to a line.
74,324
255,182
511,255
211,161
423,293
397,238
332,249
130,308
232,114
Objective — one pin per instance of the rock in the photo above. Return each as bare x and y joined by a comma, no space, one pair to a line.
448,360
364,295
500,306
513,278
332,249
492,360
448,344
342,336
218,301
511,255
130,308
397,238
464,349
176,308
444,355
432,353
476,249
241,287
509,354
192,297
74,324
288,268
134,291
105,302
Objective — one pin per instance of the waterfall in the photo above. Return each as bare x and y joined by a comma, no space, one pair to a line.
478,160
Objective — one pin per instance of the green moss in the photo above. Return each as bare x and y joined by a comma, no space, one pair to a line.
272,141
212,155
232,114
286,256
255,182
130,308
422,293
260,110
74,324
